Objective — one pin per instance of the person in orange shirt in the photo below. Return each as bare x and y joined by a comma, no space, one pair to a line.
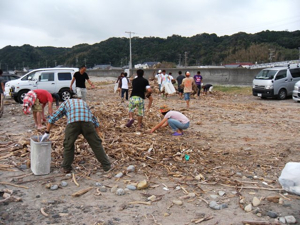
187,84
37,100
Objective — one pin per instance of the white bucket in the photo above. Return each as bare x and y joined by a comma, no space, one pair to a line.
40,156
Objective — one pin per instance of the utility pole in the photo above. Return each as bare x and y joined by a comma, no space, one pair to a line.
271,54
85,62
299,54
185,59
130,56
179,63
55,63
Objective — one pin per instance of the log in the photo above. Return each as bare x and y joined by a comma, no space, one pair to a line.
139,202
259,223
81,192
14,185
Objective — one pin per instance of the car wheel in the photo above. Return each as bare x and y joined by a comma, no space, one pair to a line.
16,99
282,94
21,96
65,95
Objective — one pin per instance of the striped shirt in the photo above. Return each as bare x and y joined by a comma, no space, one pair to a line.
75,110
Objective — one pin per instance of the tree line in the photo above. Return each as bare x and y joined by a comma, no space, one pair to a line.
201,49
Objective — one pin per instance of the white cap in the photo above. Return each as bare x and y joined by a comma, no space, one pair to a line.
159,71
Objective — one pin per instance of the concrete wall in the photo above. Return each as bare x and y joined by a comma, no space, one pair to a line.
223,76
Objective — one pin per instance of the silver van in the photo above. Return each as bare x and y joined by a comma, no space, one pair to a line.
276,82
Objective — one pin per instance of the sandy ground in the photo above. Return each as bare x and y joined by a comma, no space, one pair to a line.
238,145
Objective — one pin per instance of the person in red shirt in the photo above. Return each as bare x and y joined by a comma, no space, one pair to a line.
37,100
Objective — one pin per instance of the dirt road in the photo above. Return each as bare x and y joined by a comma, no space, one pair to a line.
237,146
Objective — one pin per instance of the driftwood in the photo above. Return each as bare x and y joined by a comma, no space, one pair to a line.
81,192
260,223
140,202
14,185
43,212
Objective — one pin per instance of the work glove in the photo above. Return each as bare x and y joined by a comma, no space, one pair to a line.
45,136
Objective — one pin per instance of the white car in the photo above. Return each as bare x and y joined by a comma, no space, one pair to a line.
296,92
54,80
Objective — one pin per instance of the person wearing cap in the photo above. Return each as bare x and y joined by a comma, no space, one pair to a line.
187,84
160,78
80,120
37,100
176,120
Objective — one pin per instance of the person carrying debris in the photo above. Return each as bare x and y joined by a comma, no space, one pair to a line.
179,82
159,76
176,120
140,85
37,100
80,120
80,78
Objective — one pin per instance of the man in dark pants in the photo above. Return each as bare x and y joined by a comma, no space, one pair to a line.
198,80
179,82
80,120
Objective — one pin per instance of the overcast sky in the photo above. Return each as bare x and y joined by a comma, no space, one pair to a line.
65,23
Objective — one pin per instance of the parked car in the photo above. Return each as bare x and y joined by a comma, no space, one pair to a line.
7,77
54,80
276,82
296,92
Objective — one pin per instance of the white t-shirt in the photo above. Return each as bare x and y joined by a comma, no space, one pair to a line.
124,83
159,77
177,116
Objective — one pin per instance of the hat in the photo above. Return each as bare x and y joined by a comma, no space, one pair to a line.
159,71
164,109
28,101
187,73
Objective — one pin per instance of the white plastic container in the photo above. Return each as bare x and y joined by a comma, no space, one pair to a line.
40,156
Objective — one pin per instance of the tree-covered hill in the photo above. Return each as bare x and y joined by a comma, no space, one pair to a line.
201,49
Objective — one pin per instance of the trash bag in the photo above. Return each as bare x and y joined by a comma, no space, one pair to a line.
290,177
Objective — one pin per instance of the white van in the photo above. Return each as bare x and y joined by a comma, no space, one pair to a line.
275,82
54,80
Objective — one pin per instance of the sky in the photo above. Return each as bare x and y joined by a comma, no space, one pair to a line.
66,23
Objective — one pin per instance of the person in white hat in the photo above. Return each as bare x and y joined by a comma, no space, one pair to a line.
187,84
160,78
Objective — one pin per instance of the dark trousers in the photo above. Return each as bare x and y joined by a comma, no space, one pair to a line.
87,129
199,89
126,92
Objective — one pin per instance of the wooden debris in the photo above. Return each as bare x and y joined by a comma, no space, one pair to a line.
74,180
14,185
139,202
260,223
81,192
43,212
196,221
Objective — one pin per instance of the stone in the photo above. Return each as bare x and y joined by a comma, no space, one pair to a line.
282,220
216,206
272,214
255,201
152,198
131,168
142,185
23,167
239,174
120,192
98,184
68,175
248,208
119,175
131,187
48,185
54,187
114,189
177,202
280,201
214,196
166,214
290,219
221,193
192,195
103,189
64,184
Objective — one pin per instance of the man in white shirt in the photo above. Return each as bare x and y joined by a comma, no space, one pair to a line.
124,85
160,78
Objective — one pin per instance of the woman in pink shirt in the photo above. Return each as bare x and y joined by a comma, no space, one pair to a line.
176,120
